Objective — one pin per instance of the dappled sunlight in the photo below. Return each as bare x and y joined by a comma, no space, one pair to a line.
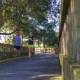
47,77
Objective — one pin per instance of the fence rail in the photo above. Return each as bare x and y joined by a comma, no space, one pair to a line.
44,50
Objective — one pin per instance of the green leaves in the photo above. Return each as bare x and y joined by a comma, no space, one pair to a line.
19,12
26,15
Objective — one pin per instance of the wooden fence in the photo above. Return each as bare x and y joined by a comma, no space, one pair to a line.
44,50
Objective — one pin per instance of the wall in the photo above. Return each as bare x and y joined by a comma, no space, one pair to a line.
70,41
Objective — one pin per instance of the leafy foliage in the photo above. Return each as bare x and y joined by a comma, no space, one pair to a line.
32,15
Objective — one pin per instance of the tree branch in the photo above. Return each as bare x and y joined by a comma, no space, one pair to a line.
7,33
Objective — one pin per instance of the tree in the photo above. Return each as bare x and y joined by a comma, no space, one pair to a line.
22,12
27,15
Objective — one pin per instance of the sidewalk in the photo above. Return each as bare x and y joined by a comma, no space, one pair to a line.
41,67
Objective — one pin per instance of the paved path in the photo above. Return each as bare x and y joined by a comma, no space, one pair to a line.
41,67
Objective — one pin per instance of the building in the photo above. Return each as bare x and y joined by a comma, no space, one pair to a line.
69,39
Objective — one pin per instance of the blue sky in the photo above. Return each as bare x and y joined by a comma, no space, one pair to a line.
53,15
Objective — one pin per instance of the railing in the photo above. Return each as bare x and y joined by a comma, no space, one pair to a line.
6,51
44,50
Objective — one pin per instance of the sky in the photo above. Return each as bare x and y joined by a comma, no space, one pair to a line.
53,15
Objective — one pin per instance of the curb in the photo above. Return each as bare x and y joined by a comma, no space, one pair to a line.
1,61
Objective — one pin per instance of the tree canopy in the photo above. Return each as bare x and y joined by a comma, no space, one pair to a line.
38,16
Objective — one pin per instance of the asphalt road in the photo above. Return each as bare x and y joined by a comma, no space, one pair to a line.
41,67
